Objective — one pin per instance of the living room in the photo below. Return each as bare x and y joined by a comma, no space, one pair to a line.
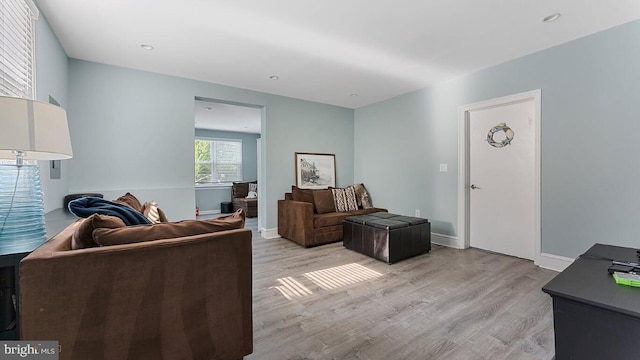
132,130
120,117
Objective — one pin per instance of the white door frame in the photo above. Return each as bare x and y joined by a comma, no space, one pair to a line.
463,164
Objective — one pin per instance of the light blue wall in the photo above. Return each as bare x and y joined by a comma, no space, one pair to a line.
51,80
590,128
133,131
209,198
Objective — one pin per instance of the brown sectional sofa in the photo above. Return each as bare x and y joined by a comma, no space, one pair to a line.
300,222
171,297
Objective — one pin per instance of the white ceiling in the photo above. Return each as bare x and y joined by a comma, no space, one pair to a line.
324,50
226,117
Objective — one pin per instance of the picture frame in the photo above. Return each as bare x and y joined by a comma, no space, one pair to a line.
315,171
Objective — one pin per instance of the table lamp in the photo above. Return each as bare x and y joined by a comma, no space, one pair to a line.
29,130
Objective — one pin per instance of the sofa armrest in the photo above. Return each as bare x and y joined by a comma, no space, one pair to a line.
186,297
295,221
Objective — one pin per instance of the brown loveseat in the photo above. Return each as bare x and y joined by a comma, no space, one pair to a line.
309,217
185,297
239,192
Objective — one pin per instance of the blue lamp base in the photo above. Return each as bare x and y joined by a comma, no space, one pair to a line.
22,226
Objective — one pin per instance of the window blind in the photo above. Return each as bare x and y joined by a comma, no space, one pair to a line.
17,60
218,161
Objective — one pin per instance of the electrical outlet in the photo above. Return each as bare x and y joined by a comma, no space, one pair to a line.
417,213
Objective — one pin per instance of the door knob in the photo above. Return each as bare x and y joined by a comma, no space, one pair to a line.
474,186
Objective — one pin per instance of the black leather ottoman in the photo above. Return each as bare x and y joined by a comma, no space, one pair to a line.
387,237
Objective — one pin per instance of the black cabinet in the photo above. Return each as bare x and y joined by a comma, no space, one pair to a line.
55,221
9,299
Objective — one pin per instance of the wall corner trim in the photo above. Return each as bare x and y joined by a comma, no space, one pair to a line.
553,262
445,240
269,233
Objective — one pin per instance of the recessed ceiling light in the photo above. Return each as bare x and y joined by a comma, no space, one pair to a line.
208,108
274,77
552,17
353,95
146,46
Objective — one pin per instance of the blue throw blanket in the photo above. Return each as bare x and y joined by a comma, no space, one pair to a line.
85,207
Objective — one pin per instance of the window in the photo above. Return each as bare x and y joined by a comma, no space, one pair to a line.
218,161
17,61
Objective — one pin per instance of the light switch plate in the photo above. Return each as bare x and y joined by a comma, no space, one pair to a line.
443,167
54,169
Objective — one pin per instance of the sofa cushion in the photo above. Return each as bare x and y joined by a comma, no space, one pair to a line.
336,218
141,233
345,199
129,200
323,201
329,219
83,235
304,195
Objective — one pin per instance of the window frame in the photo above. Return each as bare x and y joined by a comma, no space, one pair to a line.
213,164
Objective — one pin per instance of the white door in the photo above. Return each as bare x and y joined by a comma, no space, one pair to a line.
502,178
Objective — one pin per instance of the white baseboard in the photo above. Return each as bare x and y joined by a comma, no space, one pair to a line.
546,261
269,233
553,262
209,212
445,240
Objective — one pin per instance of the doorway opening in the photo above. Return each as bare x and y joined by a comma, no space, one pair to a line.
227,140
504,138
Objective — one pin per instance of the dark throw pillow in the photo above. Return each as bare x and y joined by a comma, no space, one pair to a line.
303,195
83,235
129,200
323,201
239,190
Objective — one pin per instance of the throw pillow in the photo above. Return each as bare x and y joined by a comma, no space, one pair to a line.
152,212
345,199
323,201
83,235
129,200
253,187
239,189
304,195
355,190
362,196
142,233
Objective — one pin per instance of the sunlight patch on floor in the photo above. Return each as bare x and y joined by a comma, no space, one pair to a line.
338,276
290,288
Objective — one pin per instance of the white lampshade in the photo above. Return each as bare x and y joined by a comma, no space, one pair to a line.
29,130
38,129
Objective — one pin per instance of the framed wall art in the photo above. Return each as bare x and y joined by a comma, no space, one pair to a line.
315,171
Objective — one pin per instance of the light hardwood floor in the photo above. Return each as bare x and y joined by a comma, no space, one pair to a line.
448,304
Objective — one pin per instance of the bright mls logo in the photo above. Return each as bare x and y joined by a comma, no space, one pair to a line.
29,350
